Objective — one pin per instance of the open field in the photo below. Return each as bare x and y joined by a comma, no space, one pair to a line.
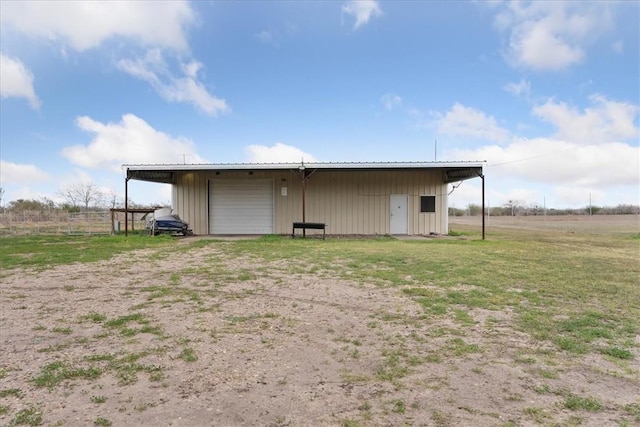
582,224
534,326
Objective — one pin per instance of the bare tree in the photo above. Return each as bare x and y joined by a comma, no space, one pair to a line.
49,203
113,199
83,195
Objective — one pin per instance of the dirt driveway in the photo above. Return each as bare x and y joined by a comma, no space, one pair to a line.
202,338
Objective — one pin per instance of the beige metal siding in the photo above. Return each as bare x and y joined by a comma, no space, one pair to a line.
190,200
350,202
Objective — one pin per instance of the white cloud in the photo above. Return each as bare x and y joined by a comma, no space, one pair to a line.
186,88
86,25
523,87
618,46
157,25
131,141
362,11
267,37
466,121
390,101
606,121
545,160
16,173
17,81
552,35
278,153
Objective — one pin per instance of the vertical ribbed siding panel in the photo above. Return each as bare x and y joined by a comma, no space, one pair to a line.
346,203
292,203
179,207
383,223
444,215
202,208
338,203
371,206
414,196
420,184
278,203
189,200
178,204
332,201
414,202
433,190
362,212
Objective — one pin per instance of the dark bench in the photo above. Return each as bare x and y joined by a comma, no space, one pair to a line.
308,226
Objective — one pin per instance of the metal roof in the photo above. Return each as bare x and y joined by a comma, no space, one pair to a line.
454,171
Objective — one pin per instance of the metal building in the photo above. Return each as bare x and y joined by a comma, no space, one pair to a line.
350,198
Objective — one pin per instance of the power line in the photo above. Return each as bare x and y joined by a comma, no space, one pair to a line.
524,159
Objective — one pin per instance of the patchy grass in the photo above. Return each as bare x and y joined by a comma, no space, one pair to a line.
98,399
102,422
11,392
188,355
54,373
577,291
30,416
567,297
575,402
633,409
43,252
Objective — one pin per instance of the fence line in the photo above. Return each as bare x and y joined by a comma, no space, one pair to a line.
55,222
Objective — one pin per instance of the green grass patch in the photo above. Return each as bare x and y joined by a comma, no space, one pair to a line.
125,367
173,291
43,252
394,365
94,317
188,355
633,409
54,373
618,353
10,392
122,321
575,402
102,422
458,347
30,416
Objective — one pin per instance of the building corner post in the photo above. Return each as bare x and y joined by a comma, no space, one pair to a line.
483,213
126,204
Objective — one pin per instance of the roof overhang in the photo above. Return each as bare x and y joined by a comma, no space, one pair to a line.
165,173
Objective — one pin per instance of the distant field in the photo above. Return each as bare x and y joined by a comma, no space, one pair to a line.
596,224
537,325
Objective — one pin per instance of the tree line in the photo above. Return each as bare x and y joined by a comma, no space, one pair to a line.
522,209
79,197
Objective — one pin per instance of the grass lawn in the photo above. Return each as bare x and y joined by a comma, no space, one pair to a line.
388,331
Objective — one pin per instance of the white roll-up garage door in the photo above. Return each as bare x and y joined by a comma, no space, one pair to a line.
241,206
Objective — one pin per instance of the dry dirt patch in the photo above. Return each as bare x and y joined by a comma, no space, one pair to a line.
201,338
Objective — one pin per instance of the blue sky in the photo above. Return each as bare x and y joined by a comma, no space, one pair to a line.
548,93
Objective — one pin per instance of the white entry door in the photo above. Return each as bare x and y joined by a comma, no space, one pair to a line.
399,215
